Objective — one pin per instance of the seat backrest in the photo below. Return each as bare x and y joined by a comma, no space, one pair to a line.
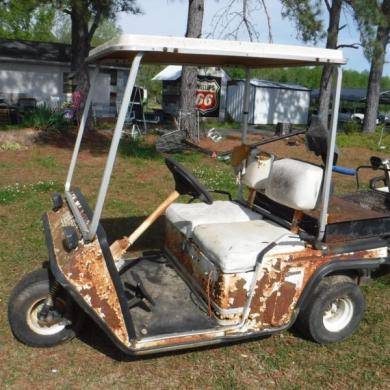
257,170
294,183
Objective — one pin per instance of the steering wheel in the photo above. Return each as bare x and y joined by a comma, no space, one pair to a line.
186,183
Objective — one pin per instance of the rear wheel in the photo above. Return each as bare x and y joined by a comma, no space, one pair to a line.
25,312
334,311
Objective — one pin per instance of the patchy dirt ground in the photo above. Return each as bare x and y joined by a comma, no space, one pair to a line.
139,183
225,145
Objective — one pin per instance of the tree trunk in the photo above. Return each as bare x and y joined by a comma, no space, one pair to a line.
80,48
189,73
376,71
328,70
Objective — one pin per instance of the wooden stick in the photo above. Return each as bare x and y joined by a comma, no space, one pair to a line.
119,247
251,197
297,218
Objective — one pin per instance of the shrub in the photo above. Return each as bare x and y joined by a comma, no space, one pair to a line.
46,119
351,127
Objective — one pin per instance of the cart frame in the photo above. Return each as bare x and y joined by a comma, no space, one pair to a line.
191,51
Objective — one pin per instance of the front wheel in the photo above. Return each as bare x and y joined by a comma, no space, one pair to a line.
25,312
334,311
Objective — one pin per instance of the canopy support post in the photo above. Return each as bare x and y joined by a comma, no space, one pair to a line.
114,145
330,155
80,133
245,114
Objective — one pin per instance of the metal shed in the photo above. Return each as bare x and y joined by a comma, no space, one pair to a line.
270,102
210,95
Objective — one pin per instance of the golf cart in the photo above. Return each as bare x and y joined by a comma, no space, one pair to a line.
230,269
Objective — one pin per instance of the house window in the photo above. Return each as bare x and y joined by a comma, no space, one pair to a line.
114,77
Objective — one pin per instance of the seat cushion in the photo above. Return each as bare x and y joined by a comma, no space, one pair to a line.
187,216
234,247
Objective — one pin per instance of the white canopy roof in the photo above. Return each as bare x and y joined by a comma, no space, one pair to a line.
192,51
173,72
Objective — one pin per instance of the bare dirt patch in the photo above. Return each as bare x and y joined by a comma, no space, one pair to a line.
225,145
23,137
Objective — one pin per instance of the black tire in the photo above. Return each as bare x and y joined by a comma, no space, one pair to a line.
320,321
23,305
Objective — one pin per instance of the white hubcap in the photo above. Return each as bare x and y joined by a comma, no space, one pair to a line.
33,323
338,314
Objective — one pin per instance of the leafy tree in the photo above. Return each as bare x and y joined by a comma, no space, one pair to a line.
107,30
86,16
26,19
373,18
307,17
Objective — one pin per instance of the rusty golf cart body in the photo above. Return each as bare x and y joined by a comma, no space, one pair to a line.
230,269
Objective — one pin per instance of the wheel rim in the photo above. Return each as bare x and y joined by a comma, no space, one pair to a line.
338,314
33,322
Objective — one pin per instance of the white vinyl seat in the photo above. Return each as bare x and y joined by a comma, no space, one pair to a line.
232,236
234,247
186,217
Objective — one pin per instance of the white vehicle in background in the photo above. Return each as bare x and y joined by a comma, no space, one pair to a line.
356,116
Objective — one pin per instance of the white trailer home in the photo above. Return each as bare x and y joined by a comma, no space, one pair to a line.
41,70
269,102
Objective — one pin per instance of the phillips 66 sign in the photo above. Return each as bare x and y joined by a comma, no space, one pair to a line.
207,95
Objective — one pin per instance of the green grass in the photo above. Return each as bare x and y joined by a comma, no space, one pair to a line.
138,149
46,162
139,183
362,140
220,178
17,191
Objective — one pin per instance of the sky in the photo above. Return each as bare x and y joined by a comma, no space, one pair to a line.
168,17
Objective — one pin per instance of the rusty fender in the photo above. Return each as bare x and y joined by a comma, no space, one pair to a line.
284,278
84,273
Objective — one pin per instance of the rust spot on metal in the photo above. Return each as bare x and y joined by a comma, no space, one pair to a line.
86,270
192,338
282,312
268,309
230,291
227,290
239,294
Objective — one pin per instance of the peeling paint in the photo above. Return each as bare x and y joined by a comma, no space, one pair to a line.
281,280
86,270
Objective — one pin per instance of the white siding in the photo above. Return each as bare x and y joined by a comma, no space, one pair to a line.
269,105
25,80
102,89
43,82
235,101
274,105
